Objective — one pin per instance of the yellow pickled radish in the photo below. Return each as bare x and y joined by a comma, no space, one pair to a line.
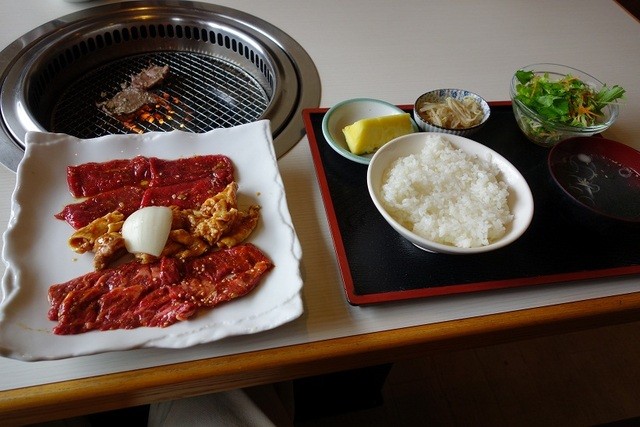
367,135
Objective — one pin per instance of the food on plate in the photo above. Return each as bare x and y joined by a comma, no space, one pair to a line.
177,171
127,185
452,113
569,100
188,194
134,96
125,199
159,294
185,256
448,196
367,135
177,232
89,179
84,239
146,230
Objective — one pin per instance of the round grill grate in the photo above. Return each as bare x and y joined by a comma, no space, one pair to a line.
226,68
202,93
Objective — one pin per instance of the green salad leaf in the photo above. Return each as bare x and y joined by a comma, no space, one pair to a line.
568,101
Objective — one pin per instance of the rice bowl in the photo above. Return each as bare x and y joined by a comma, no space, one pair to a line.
449,194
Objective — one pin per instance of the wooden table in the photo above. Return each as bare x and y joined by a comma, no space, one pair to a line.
392,51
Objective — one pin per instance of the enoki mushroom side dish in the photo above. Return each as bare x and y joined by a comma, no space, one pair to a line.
453,113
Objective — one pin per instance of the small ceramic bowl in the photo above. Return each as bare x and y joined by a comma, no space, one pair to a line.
520,199
439,95
600,178
348,112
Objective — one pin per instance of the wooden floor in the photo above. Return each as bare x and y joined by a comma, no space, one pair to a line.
578,379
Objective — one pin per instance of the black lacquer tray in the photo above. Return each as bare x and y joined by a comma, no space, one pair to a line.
377,264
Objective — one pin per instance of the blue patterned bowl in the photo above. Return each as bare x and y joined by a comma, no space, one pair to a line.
438,95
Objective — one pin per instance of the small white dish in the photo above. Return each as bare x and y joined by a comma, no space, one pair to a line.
520,199
348,112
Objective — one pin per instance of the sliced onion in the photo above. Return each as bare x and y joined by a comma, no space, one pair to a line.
147,229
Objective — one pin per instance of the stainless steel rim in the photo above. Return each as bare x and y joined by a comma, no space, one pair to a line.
227,68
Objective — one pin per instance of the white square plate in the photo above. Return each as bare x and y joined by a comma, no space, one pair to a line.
37,255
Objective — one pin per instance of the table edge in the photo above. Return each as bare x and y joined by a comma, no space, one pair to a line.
143,386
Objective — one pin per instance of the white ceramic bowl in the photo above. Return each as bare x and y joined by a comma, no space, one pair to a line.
348,112
440,95
520,198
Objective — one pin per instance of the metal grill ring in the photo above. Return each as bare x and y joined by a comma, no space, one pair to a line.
226,69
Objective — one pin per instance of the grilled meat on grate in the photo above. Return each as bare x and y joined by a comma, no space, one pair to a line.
126,104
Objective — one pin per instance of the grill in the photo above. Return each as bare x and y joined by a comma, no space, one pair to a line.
220,95
226,68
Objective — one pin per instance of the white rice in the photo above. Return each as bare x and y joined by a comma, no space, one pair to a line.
447,196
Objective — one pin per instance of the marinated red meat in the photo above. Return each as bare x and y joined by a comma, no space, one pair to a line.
126,200
120,185
188,195
224,275
89,179
112,299
155,295
169,172
163,307
58,293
